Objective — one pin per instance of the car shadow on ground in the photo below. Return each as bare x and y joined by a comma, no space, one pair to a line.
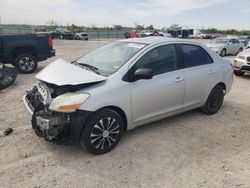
180,137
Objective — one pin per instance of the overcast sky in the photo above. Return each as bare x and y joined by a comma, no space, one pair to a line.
222,14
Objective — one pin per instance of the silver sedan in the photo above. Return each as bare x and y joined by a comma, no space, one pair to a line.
224,46
123,85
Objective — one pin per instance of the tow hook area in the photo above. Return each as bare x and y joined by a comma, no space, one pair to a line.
50,125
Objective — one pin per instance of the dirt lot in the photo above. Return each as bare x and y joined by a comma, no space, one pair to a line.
189,150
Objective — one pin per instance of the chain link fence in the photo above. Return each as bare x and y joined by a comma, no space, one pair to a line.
105,34
93,34
4,29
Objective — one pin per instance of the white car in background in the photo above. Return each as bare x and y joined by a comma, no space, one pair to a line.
224,46
82,36
242,63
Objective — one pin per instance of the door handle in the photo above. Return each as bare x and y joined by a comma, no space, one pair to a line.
179,79
211,72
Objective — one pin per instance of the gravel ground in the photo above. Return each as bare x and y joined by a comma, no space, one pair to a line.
188,150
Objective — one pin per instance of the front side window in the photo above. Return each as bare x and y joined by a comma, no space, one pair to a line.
195,56
161,60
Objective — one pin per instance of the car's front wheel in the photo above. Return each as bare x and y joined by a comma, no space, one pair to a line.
214,101
102,131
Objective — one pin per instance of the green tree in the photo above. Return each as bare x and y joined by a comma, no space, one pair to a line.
150,27
174,27
51,25
139,27
117,27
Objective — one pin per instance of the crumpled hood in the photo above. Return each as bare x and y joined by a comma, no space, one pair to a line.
61,73
214,45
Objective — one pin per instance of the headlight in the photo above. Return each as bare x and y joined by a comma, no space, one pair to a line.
68,102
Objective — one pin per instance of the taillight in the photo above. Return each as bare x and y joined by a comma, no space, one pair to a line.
50,41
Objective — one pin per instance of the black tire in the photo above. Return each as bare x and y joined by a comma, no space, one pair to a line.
214,101
102,132
223,52
26,63
238,73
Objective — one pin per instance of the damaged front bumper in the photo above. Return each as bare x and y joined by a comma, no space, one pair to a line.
53,125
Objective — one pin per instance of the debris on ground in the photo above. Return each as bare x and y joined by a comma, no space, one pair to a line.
8,131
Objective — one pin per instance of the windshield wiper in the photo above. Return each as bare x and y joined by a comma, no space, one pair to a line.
90,67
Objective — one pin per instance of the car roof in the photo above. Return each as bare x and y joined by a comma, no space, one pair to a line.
153,40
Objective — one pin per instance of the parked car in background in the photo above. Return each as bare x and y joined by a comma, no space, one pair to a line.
132,34
25,51
164,34
205,36
224,46
146,33
62,33
215,35
123,85
242,63
81,36
245,40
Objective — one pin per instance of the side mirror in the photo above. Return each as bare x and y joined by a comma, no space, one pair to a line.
145,74
230,43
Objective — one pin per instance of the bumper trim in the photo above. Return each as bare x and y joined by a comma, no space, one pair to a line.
27,107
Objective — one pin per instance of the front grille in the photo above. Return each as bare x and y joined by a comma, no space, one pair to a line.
44,92
39,96
248,59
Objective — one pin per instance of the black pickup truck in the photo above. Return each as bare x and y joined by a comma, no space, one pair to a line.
25,51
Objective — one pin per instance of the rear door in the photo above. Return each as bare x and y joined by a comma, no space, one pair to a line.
230,47
163,94
237,45
200,75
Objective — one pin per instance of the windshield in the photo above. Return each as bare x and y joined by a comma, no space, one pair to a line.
220,41
109,58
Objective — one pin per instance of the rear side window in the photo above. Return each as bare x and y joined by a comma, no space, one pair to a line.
161,60
195,56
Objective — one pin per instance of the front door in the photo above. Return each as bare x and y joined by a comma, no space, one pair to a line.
163,94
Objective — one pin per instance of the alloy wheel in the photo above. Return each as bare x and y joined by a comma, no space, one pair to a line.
26,63
104,133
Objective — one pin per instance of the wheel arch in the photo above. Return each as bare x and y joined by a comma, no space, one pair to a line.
223,85
120,112
26,49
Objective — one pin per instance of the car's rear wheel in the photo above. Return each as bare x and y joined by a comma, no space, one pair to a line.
223,53
102,132
26,63
214,101
238,73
